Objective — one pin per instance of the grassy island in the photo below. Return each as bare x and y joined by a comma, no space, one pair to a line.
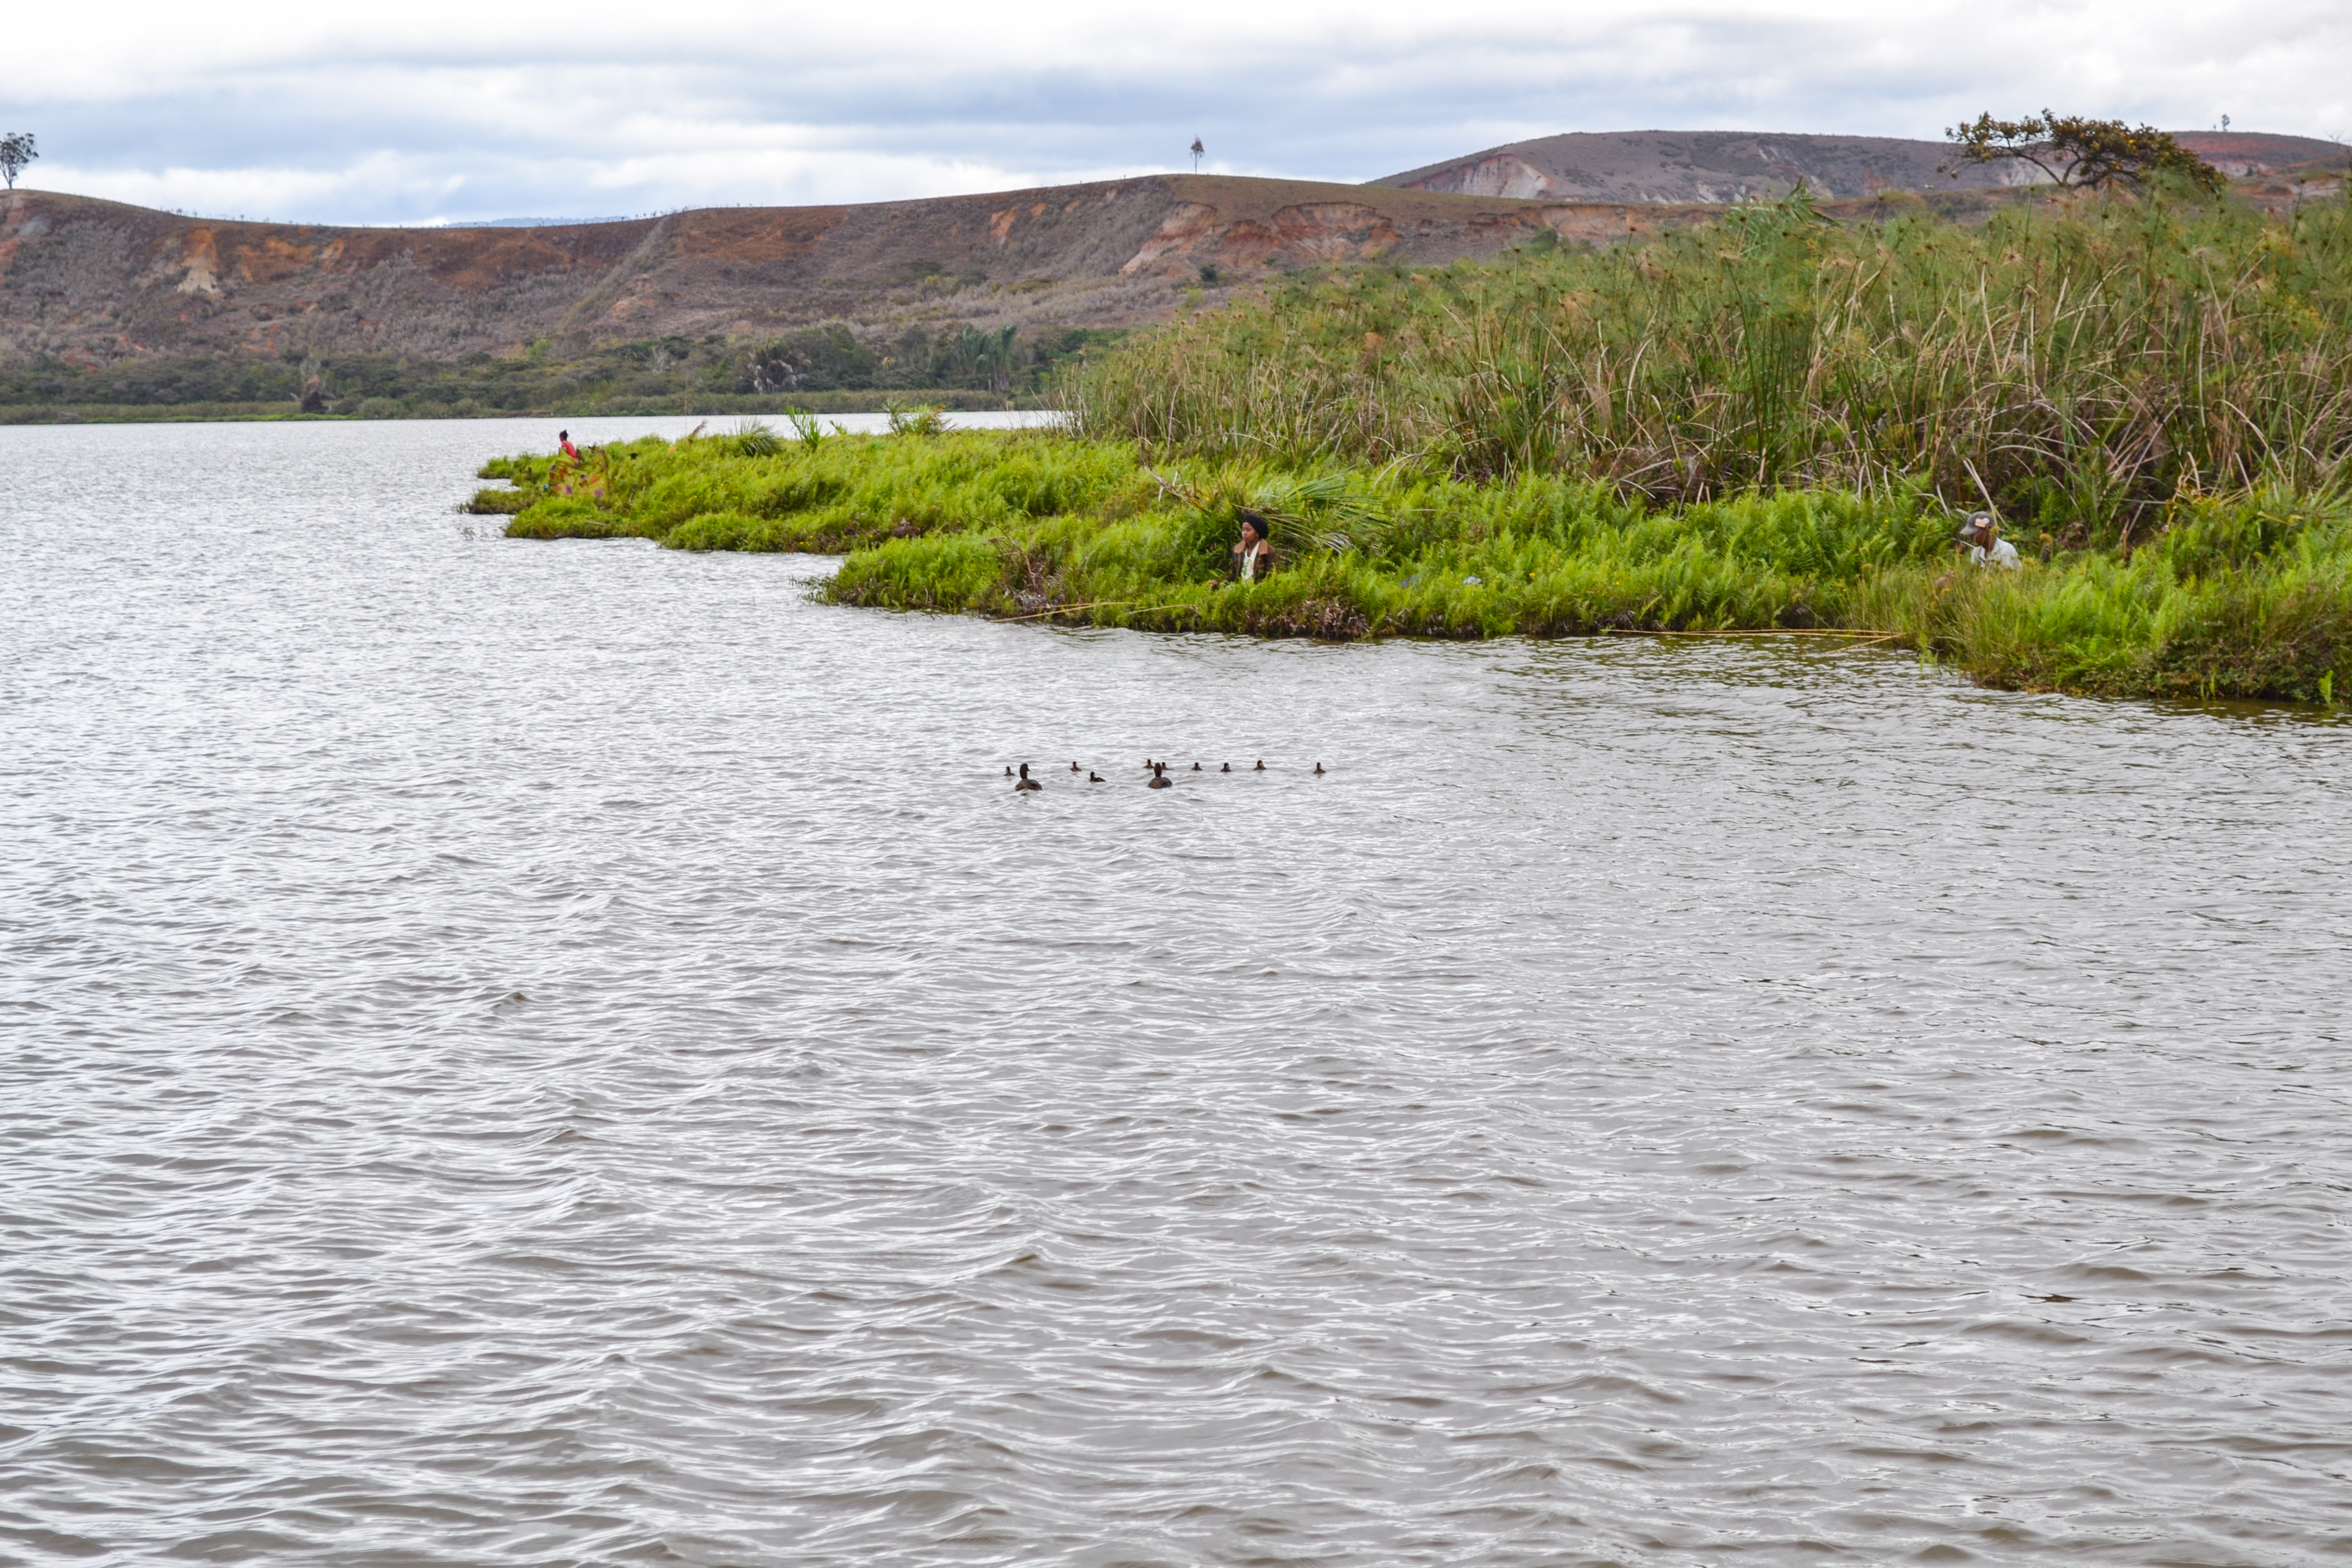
1768,426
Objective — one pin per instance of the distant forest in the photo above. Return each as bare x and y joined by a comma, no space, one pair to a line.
834,367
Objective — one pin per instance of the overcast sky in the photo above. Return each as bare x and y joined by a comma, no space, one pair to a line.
436,111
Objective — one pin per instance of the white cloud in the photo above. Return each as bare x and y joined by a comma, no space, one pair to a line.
442,109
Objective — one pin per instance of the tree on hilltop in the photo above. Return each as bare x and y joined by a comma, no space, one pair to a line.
16,150
2083,154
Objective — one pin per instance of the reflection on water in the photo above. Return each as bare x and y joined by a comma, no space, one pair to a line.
572,1053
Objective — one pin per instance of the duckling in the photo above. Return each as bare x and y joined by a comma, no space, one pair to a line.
1260,766
1228,768
1160,779
1093,778
1073,768
1026,782
1008,773
1196,767
1319,769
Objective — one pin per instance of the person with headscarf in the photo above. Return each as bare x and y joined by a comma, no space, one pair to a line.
1986,547
1253,556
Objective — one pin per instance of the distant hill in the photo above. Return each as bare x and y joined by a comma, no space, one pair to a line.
533,223
91,281
1680,166
2250,155
108,306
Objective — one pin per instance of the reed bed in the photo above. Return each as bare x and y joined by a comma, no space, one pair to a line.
2078,362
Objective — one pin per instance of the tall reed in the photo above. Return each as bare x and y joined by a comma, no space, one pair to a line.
2082,364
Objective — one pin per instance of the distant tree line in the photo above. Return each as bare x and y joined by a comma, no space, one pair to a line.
642,372
838,359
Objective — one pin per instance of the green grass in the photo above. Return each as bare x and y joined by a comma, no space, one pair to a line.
2248,596
746,491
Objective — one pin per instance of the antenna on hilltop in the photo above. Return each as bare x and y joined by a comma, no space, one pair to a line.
1197,151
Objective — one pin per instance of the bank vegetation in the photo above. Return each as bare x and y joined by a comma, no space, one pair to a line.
1772,424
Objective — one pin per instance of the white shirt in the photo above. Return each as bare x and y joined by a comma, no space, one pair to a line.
2001,554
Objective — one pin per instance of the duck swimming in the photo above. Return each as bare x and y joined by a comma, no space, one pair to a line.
1260,766
1160,779
1073,768
1025,781
1196,767
1094,778
1318,768
1008,773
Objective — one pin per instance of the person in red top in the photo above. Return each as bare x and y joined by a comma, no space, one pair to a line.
569,451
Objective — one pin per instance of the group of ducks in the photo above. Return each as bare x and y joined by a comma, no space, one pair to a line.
1159,771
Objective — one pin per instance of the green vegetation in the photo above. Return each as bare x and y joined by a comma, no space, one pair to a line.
749,489
961,357
1769,426
2251,596
2092,155
834,369
2080,361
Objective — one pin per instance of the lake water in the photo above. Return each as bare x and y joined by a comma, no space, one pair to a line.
549,1054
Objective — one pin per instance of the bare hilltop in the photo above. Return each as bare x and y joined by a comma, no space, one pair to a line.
108,308
1723,166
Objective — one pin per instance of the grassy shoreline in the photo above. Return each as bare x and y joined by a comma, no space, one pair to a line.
2244,597
1766,424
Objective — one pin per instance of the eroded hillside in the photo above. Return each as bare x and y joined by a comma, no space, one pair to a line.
91,282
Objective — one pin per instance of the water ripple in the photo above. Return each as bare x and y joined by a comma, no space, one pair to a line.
570,1054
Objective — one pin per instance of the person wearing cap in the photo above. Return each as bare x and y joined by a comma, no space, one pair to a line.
1253,556
1986,547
